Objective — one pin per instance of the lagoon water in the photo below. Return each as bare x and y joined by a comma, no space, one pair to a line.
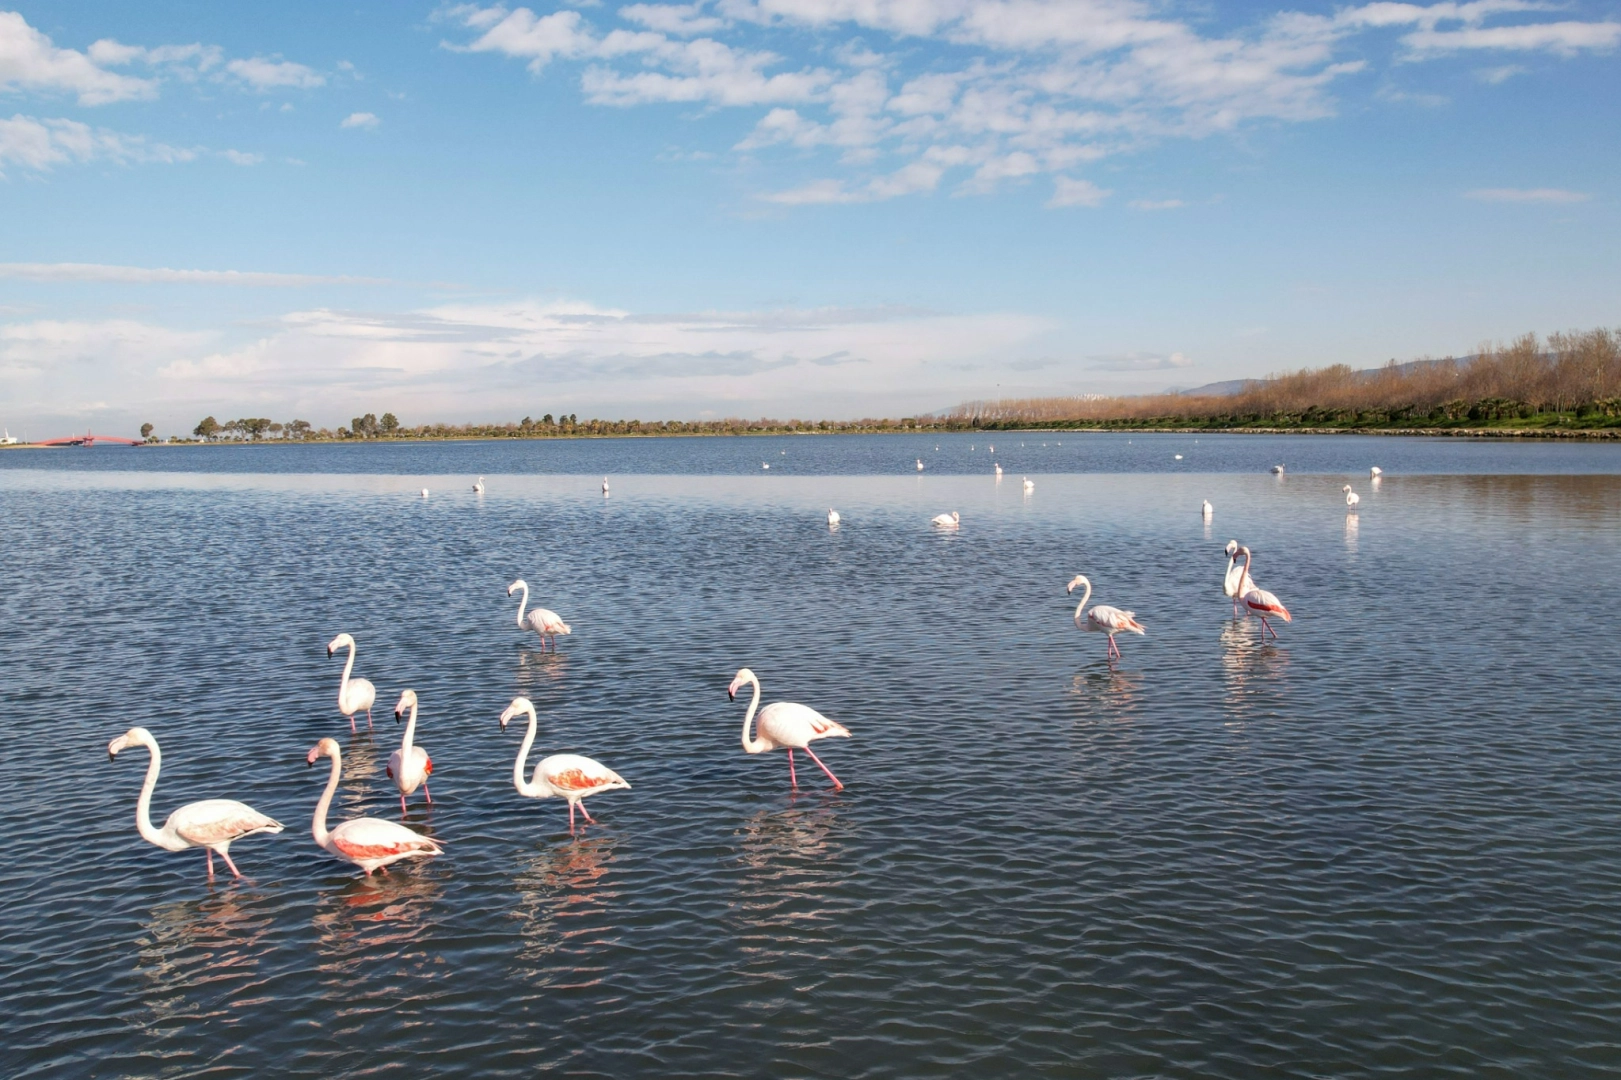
1388,844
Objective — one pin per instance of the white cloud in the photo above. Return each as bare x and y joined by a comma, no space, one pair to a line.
240,157
1071,192
29,61
1565,38
261,73
360,120
41,144
1502,74
163,275
1156,204
683,20
1139,361
1527,195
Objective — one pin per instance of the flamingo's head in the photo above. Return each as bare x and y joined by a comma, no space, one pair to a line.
516,585
1232,548
744,675
324,748
1244,552
408,700
135,736
519,706
339,642
1078,579
1346,488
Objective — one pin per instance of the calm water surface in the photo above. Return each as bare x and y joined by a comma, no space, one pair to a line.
1388,844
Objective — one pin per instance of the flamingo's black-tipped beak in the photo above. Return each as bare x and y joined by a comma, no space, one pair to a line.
731,695
111,756
310,762
398,716
329,651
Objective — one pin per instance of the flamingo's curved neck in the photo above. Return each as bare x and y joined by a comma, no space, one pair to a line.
523,602
1244,578
318,828
753,746
348,666
143,805
533,789
1086,594
410,733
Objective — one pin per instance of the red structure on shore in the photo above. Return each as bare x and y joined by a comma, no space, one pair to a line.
88,439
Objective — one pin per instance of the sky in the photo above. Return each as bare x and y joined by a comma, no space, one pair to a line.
786,208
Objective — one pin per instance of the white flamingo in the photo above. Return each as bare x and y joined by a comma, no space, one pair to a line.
605,485
353,694
478,486
764,465
1277,470
569,775
543,621
947,521
832,516
369,843
1375,473
1351,497
211,824
785,724
999,472
919,464
1236,582
424,493
1029,484
409,766
1206,510
1260,601
1103,618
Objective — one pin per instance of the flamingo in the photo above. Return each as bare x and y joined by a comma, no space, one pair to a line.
947,521
605,485
353,694
1260,601
1375,473
369,843
785,724
1351,497
569,775
1206,510
999,472
1108,620
1277,470
832,516
410,765
1179,457
919,464
543,621
1237,581
424,493
478,486
211,824
764,465
1029,484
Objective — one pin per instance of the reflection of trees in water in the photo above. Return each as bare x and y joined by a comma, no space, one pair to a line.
1250,668
196,955
792,862
565,895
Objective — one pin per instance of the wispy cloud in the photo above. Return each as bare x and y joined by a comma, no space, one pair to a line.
29,61
1156,204
1071,192
1527,195
149,275
360,120
40,145
262,73
1139,361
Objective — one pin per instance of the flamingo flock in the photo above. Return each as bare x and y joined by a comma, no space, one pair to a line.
374,844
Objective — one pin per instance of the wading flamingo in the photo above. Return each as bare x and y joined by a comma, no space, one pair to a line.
210,824
1260,601
605,485
1237,580
409,766
1375,473
1206,510
1103,618
369,843
947,521
785,724
1029,484
353,694
478,486
424,493
543,621
999,472
569,775
1351,497
1277,470
832,516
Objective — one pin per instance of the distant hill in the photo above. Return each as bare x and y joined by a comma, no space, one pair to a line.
1230,387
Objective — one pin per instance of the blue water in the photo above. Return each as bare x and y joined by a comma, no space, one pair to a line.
1387,844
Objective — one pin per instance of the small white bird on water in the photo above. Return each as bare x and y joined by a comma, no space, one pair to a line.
1351,497
1277,470
1207,510
919,464
764,465
1179,457
999,472
478,486
832,516
424,493
1375,472
1029,484
605,485
947,521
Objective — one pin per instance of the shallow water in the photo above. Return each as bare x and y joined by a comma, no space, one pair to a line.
1386,844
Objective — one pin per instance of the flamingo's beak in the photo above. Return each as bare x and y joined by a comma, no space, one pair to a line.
111,756
398,716
731,693
329,650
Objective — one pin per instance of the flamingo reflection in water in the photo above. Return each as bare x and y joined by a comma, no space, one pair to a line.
786,724
793,890
195,957
565,897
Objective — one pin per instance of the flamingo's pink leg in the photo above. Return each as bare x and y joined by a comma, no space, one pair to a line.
368,720
587,813
570,817
426,792
792,779
836,784
226,855
210,853
402,804
352,729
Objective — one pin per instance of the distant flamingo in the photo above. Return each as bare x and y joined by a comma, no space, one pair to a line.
605,485
1351,497
999,472
1236,582
543,621
569,775
1103,618
763,465
424,493
1277,470
832,516
1206,510
478,486
1029,484
353,694
410,765
947,521
1375,473
1260,601
919,464
785,724
211,824
369,843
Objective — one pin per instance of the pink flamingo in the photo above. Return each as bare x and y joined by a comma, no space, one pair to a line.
1237,582
569,775
353,694
543,621
369,843
1262,602
785,724
1108,620
410,765
210,824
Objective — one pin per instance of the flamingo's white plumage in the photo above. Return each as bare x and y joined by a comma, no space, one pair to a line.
1029,484
478,486
832,516
919,464
369,843
570,776
947,521
1236,582
764,465
409,766
1351,497
1375,473
353,694
1277,470
211,824
424,493
605,485
1259,601
1103,618
999,472
543,621
788,725
1206,510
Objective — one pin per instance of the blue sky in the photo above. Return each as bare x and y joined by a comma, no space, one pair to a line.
781,207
